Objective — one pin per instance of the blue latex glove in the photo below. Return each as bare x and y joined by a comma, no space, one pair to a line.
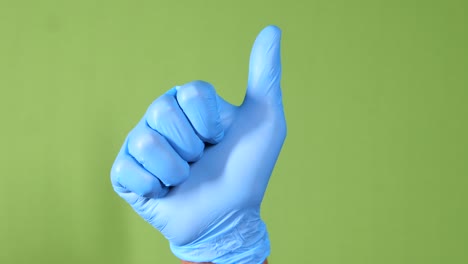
196,167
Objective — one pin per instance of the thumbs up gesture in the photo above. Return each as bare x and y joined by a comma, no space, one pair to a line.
196,167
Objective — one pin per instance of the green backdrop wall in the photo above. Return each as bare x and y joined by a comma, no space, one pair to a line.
374,169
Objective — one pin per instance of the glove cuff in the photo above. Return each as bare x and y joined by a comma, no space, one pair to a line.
244,240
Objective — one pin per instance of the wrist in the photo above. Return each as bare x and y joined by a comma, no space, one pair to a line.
240,238
187,262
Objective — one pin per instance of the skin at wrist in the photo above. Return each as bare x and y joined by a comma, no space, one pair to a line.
187,262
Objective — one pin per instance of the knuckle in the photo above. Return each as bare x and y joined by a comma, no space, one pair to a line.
176,173
149,189
181,173
118,169
161,108
195,89
195,152
139,143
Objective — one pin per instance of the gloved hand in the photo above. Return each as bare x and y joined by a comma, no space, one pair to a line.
196,167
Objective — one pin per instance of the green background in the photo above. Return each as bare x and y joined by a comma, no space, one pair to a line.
374,169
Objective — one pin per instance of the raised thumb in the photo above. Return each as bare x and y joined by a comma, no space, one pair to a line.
265,67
